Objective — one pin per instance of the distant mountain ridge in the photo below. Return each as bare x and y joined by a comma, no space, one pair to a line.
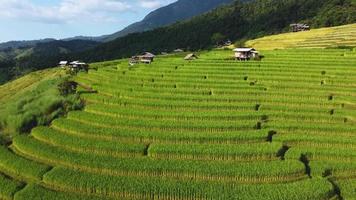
237,21
20,57
22,44
178,11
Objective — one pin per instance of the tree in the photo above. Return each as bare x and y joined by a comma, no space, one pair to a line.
218,38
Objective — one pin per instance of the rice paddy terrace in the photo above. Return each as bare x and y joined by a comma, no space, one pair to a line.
316,38
283,128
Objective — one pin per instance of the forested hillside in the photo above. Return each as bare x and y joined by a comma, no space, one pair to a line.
177,11
238,21
39,54
235,22
16,62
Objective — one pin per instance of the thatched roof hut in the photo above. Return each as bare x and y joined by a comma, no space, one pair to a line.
299,27
245,53
147,57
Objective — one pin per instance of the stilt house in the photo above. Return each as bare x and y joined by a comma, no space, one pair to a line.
246,54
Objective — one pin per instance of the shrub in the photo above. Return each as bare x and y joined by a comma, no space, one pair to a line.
240,43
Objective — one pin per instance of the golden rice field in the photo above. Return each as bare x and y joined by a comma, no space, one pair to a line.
316,38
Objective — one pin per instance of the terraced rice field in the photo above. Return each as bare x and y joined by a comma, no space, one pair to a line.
339,36
282,128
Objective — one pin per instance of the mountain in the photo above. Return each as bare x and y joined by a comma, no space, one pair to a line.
22,44
20,61
178,11
235,22
96,39
20,57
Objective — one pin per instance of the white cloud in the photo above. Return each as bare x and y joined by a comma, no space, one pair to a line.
65,11
70,11
150,3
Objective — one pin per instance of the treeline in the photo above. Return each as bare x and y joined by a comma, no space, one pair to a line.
234,22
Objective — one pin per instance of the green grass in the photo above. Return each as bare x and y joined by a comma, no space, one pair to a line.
8,188
36,192
34,100
19,167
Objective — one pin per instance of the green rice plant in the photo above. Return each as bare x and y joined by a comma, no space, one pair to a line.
164,124
160,188
79,144
321,153
36,192
121,112
90,130
21,168
290,114
241,152
347,188
341,169
8,188
264,171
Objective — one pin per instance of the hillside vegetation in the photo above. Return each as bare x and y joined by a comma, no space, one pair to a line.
167,15
238,21
16,62
213,128
334,37
235,22
35,99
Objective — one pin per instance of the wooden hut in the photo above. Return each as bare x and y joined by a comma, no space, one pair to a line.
299,27
191,56
246,54
147,58
63,64
77,66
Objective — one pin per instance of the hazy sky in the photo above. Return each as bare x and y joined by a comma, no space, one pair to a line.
36,19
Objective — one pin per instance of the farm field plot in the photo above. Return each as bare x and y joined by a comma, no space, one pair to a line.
316,38
283,128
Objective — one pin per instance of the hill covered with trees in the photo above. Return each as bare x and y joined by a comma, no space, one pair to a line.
236,22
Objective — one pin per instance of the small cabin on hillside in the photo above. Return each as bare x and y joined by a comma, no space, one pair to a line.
74,66
299,27
77,66
191,56
63,64
147,58
244,54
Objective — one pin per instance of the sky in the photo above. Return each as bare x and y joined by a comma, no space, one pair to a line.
38,19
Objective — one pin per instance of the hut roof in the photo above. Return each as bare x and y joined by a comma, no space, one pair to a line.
63,62
190,56
148,54
77,63
244,49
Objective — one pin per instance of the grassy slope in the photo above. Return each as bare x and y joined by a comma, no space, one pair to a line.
30,100
316,38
